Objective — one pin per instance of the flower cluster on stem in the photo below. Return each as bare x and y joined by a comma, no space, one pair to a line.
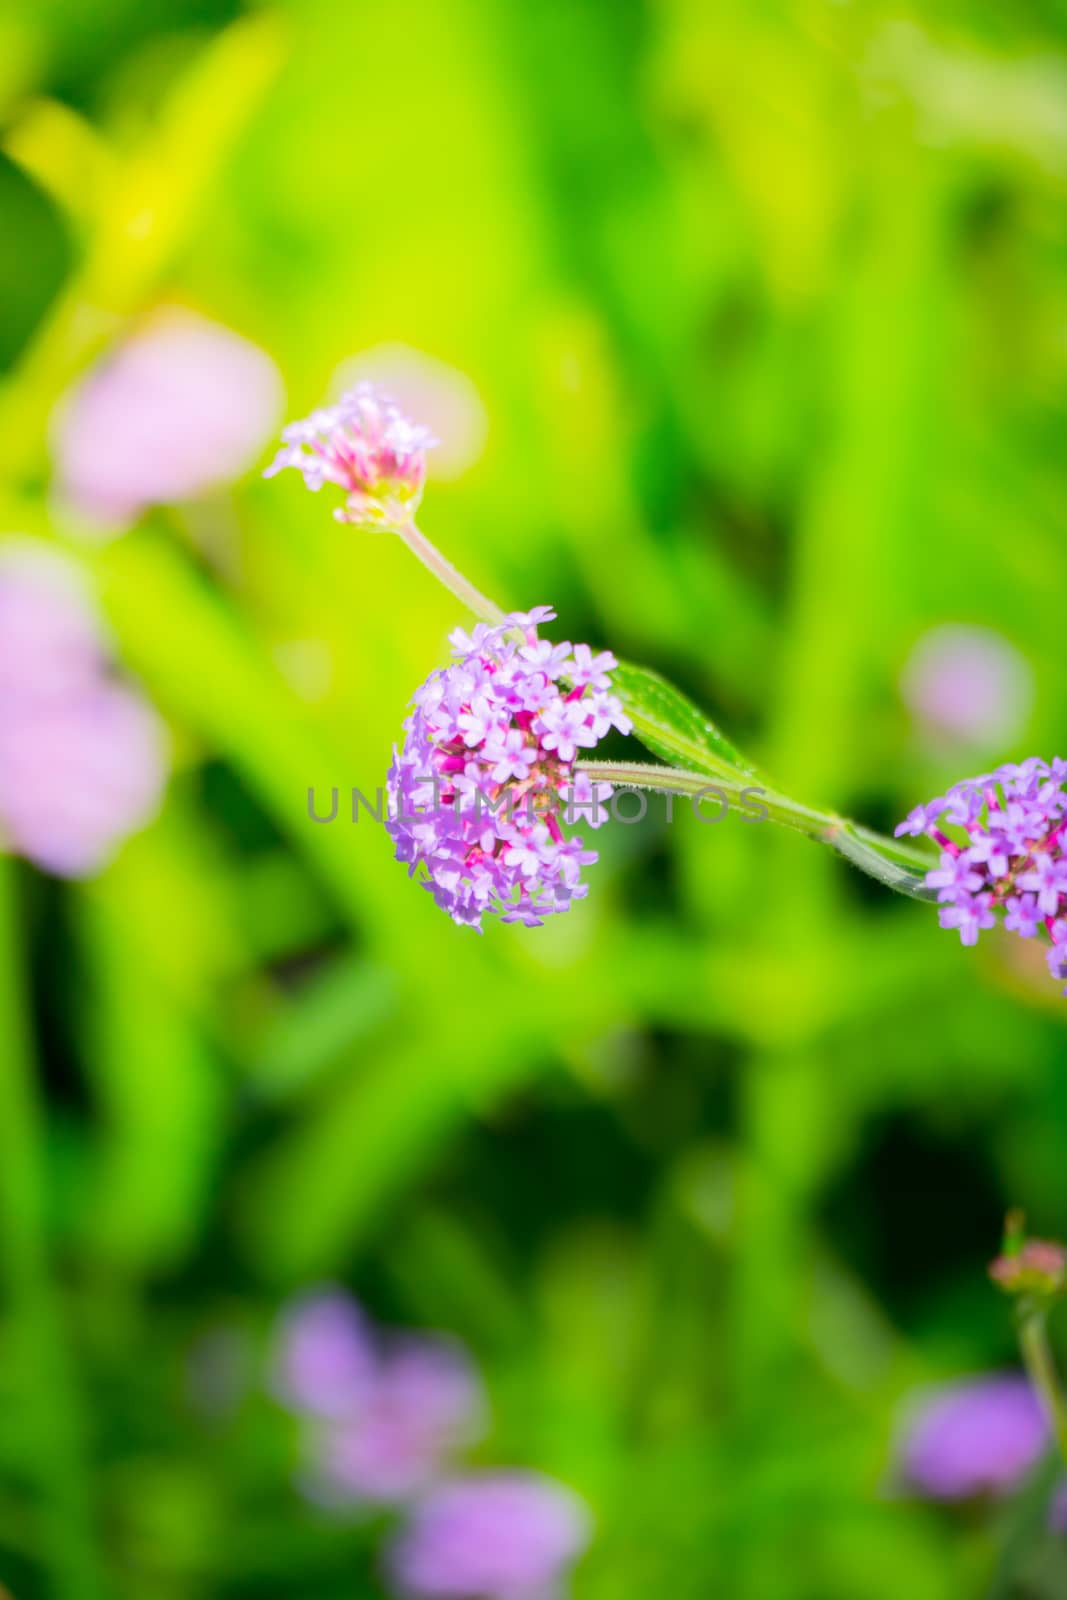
487,769
1002,853
366,446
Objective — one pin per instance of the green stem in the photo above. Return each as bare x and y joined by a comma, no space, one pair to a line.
898,866
1041,1367
41,1363
450,576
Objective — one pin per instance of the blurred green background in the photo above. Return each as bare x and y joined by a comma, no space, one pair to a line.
765,304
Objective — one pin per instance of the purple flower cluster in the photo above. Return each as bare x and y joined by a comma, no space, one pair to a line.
81,763
384,1418
978,1437
1002,843
488,758
366,446
382,1415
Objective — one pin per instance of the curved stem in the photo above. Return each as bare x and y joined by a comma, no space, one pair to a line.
450,576
1041,1368
42,1369
899,866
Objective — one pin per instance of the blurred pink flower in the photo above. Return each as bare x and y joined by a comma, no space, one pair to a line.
325,1359
180,407
490,1536
968,684
425,1404
81,756
440,395
980,1436
383,1414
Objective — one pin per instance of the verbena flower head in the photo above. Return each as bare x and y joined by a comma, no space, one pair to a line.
487,769
490,1536
1038,1268
1003,854
181,407
383,1415
442,396
367,447
81,755
973,1438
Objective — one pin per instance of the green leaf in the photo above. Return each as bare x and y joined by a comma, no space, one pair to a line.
673,727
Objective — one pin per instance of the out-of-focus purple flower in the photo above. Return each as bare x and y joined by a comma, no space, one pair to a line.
50,636
442,396
487,761
325,1361
1057,1509
366,446
384,1414
81,755
1002,838
977,1437
968,684
424,1404
490,1536
182,406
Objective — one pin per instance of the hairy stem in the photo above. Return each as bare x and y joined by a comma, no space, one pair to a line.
897,865
450,576
1041,1367
42,1372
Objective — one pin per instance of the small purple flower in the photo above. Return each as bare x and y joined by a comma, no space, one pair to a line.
551,658
512,754
1047,879
564,726
918,820
183,406
368,448
977,1437
1021,915
970,914
490,1536
954,876
1002,837
489,750
969,684
594,670
81,754
990,851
